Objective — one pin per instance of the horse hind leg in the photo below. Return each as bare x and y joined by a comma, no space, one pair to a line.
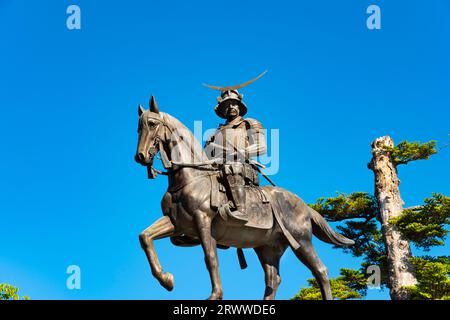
162,228
307,254
270,261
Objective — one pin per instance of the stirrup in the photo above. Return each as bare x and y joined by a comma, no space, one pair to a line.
237,214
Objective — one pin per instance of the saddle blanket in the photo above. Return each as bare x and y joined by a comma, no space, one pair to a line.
258,210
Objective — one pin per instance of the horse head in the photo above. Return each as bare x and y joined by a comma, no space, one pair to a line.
160,132
150,125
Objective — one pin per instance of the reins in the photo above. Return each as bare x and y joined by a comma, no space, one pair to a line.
169,164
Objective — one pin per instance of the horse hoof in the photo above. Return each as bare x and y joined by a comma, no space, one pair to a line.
215,296
167,281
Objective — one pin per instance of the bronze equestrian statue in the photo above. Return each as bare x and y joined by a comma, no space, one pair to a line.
233,145
214,198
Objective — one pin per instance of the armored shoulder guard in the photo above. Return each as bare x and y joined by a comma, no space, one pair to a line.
253,124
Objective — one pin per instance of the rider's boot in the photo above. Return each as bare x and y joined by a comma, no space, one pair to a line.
239,200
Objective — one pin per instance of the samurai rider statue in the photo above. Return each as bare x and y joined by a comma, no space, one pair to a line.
232,147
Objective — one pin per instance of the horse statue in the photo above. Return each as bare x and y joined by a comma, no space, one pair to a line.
190,209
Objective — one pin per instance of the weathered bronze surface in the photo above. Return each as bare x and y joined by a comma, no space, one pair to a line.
214,198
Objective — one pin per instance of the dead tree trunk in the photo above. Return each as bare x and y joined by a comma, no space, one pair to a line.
391,205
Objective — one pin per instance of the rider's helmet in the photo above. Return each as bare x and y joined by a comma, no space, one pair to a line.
226,98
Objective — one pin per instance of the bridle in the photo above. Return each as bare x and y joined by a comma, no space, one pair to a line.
210,166
172,166
158,146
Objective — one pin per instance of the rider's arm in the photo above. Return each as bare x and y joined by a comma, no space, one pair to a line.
257,139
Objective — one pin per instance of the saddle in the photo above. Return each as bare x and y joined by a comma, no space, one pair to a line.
258,210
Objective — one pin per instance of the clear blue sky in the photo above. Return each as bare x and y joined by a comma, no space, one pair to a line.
70,191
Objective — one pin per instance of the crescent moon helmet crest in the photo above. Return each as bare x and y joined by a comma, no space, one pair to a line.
229,94
238,86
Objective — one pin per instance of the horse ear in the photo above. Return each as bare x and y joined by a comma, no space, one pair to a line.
153,105
140,110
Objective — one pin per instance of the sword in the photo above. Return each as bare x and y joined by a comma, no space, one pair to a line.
265,176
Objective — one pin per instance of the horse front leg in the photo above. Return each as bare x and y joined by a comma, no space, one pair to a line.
209,245
162,228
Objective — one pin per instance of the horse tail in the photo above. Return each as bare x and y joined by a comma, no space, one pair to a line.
322,230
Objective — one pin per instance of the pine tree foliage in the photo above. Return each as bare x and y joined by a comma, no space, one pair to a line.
357,213
406,151
360,212
358,218
356,205
425,225
351,284
433,278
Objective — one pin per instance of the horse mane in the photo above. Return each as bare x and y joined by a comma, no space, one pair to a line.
185,137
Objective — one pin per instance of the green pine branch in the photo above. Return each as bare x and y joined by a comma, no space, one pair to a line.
406,151
350,284
432,275
425,225
358,217
355,205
